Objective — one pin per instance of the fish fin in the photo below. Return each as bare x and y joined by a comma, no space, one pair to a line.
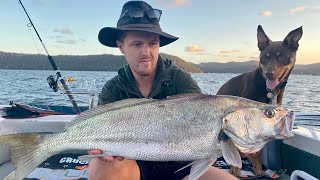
24,152
108,107
190,164
230,153
90,157
10,176
199,167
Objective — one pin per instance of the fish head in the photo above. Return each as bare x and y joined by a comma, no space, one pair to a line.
251,128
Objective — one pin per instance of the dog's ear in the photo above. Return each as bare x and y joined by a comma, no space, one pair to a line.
291,41
263,39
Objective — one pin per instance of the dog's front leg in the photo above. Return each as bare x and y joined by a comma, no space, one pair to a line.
280,96
255,161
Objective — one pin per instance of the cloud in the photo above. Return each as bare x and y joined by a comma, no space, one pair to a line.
173,3
242,57
266,13
66,41
193,48
61,38
181,2
316,10
58,37
63,31
229,51
254,57
82,40
297,10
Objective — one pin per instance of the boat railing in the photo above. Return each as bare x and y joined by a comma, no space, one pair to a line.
89,89
297,174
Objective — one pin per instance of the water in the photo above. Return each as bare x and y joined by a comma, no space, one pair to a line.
31,87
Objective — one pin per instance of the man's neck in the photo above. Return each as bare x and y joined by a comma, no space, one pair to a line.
144,83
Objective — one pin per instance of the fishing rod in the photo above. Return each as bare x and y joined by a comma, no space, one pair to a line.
51,79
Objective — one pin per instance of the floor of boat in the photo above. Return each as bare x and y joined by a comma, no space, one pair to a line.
283,177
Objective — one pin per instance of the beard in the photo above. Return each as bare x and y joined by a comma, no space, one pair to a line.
145,71
145,68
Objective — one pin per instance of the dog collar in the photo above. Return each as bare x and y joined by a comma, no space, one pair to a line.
272,93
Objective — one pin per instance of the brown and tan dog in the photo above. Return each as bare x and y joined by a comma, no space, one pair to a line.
267,82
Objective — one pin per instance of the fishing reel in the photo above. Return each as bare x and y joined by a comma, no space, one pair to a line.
53,82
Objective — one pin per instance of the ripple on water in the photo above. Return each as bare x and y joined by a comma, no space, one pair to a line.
302,91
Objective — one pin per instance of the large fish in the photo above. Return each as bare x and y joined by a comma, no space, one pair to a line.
194,127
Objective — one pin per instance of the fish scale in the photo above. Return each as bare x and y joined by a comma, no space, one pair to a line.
158,138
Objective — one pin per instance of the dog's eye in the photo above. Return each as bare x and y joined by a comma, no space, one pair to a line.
269,113
264,61
267,55
284,60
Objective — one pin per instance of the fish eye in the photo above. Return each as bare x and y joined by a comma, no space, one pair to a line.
225,121
269,113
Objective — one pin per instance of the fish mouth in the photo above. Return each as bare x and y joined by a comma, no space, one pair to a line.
284,126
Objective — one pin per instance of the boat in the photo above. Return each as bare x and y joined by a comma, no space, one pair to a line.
300,154
47,123
297,157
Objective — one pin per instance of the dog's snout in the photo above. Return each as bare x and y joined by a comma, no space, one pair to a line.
270,75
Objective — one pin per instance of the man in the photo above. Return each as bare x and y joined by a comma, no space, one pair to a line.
147,75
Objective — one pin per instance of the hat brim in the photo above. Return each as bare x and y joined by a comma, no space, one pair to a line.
108,35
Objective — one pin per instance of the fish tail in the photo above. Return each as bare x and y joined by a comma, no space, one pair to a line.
24,152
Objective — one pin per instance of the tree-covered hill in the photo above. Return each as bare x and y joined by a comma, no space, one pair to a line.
105,62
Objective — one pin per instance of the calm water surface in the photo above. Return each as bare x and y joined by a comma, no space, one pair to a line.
31,87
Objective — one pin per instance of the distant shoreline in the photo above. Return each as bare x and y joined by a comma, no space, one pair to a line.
108,62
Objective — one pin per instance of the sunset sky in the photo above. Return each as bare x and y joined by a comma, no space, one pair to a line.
209,30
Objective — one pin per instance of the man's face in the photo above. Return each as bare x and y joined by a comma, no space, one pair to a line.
141,51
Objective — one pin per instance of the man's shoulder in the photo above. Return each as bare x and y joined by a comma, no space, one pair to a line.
113,81
182,80
110,91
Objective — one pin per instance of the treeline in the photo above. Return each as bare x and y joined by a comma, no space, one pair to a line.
229,67
241,67
108,62
105,62
183,64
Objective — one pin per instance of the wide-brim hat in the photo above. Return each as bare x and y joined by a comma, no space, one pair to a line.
109,35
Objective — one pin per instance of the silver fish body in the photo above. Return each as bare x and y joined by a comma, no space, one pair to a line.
181,128
176,129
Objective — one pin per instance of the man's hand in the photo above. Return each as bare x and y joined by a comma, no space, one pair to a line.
105,158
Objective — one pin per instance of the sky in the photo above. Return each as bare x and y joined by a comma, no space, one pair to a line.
208,30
